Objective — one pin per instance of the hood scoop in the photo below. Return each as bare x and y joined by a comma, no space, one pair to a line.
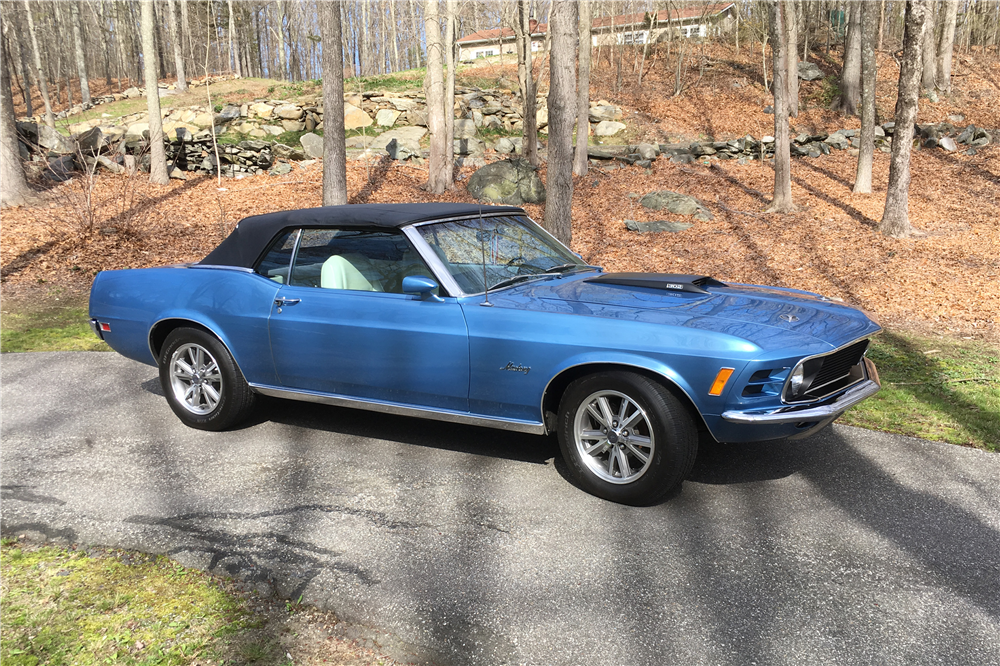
694,284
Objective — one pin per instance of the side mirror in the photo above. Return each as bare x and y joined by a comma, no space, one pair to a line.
418,284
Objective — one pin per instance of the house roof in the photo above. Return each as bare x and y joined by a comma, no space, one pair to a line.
664,16
697,10
497,34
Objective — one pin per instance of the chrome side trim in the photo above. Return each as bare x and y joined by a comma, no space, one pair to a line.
865,389
513,425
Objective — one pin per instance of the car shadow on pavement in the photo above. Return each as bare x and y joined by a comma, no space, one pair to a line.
407,430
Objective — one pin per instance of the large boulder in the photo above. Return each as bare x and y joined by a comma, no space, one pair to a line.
55,142
608,128
312,144
132,92
401,149
809,71
604,112
513,182
90,141
676,203
289,112
355,118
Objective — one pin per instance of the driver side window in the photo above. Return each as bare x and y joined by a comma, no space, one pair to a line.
355,259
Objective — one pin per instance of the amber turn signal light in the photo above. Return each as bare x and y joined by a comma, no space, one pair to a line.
720,381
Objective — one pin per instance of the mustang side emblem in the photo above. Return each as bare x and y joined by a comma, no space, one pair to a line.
516,368
791,319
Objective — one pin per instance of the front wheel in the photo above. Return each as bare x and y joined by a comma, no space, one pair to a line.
204,388
625,437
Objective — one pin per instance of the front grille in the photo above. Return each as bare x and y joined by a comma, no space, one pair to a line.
825,375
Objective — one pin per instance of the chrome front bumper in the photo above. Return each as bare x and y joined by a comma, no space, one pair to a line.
824,413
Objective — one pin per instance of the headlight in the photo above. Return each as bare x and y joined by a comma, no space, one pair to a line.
795,381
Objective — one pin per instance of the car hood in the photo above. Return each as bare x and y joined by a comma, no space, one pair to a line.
771,318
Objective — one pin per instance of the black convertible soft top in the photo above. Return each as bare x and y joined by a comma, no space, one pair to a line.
251,236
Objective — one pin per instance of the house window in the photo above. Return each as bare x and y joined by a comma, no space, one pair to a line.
483,54
634,37
695,30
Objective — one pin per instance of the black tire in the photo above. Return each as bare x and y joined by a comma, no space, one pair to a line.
215,396
659,422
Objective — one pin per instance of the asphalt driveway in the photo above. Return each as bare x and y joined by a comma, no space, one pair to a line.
464,545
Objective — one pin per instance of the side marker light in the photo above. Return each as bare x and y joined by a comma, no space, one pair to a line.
105,326
720,381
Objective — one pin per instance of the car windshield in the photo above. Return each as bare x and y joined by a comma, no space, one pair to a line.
498,251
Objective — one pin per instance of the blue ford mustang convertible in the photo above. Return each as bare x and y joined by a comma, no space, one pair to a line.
476,315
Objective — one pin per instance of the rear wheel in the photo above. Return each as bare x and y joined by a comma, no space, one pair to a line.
203,386
625,437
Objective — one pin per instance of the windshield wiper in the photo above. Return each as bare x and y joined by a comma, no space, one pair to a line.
517,278
566,268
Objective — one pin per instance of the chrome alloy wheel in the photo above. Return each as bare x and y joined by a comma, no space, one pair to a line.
613,436
195,379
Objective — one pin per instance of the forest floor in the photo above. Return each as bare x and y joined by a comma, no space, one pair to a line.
945,280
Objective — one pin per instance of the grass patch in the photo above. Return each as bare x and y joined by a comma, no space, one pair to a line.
63,607
50,329
935,388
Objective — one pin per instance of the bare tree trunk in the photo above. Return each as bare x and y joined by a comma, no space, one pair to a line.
895,219
81,61
416,32
15,190
928,62
791,18
157,153
175,40
280,34
526,82
782,202
394,37
120,22
946,45
449,91
881,24
25,67
564,28
869,35
586,46
334,146
437,179
850,76
39,73
234,56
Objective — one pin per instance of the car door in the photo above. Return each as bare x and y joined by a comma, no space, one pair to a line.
341,325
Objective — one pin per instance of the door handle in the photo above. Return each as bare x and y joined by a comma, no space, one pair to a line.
281,301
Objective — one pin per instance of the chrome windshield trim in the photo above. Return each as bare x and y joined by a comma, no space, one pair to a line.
433,261
220,267
861,391
513,425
